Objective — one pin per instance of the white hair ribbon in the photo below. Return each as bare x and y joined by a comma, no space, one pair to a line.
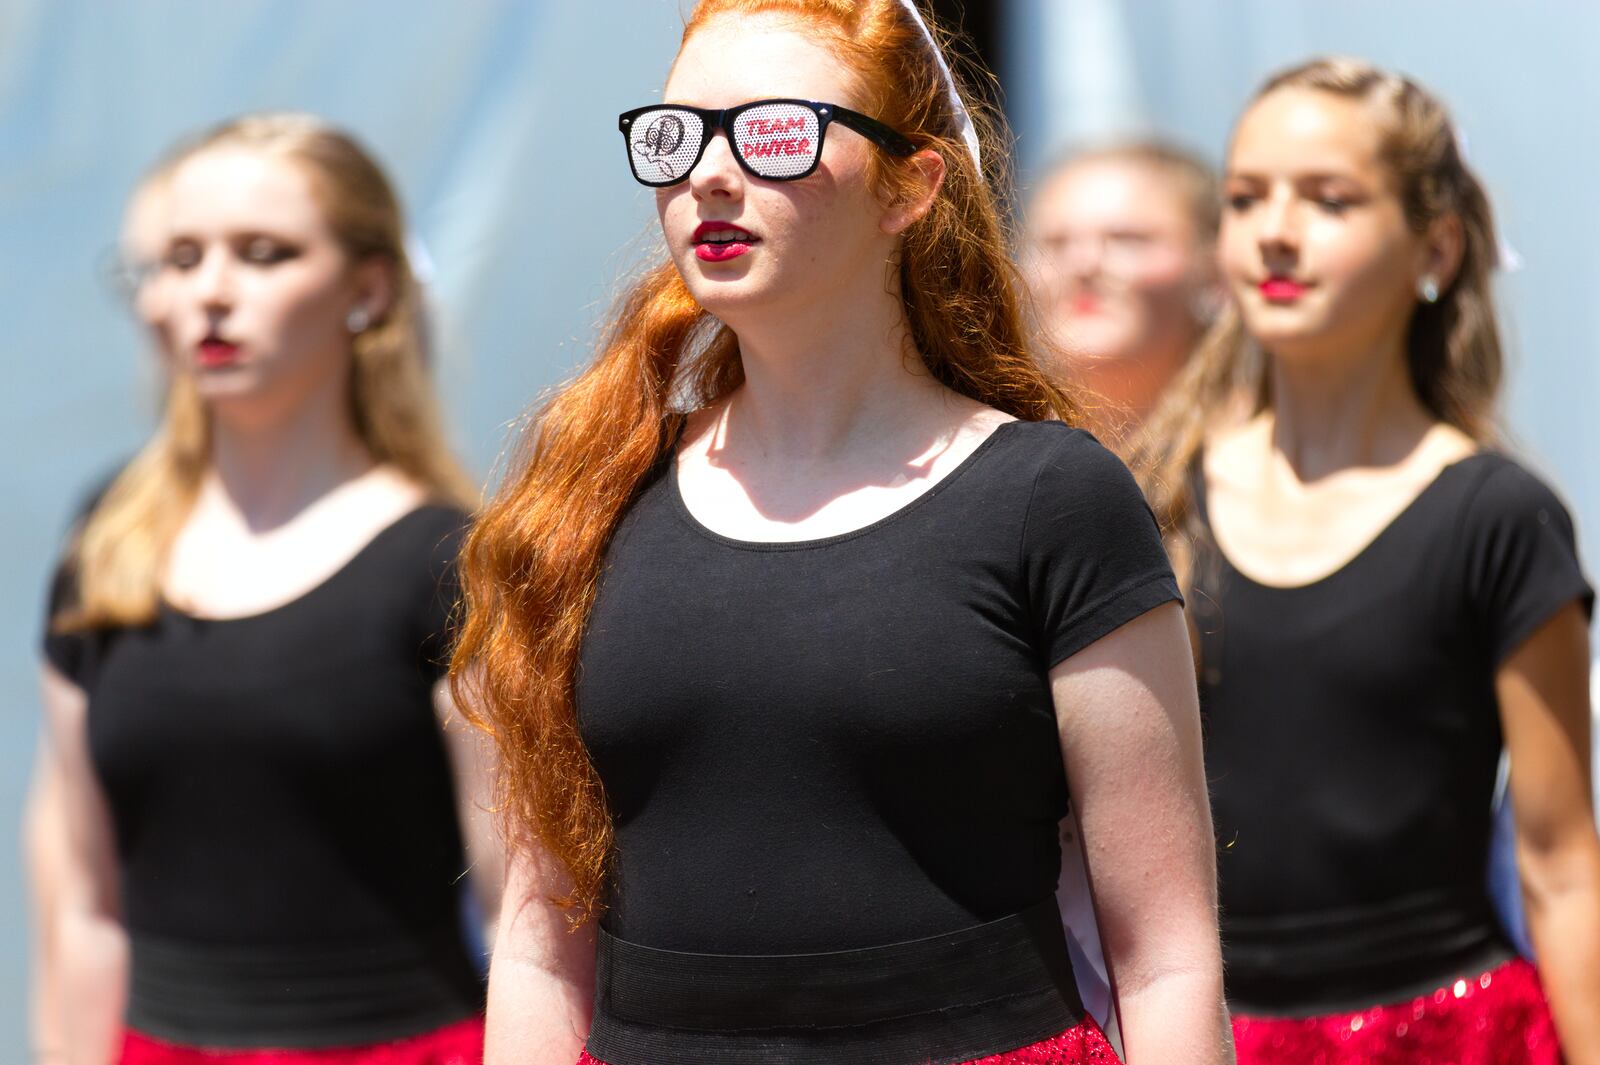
422,266
963,119
1509,259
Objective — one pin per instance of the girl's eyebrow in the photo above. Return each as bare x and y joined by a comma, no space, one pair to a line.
1301,176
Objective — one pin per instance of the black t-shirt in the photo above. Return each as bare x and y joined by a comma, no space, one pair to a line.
850,741
278,782
1352,740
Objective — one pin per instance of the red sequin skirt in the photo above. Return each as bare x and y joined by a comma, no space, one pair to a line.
455,1044
1497,1018
1082,1044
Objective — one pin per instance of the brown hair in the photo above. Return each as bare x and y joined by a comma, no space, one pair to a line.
532,563
1452,348
119,554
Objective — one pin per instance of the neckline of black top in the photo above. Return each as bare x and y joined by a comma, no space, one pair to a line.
933,490
316,591
1407,514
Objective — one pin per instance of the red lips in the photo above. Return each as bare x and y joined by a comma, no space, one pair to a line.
716,242
213,352
1282,289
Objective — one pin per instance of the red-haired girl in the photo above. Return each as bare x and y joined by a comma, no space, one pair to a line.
809,610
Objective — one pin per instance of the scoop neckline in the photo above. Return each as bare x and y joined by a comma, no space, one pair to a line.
313,591
911,505
1372,545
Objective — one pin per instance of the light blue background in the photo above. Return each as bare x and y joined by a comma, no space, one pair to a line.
497,121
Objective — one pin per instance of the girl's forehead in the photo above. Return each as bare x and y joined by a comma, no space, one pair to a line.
1307,130
233,186
1118,187
735,59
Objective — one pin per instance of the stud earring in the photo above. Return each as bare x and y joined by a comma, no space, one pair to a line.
357,320
1428,289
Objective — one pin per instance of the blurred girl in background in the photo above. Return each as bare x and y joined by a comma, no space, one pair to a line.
1121,245
134,273
1119,252
266,814
1383,598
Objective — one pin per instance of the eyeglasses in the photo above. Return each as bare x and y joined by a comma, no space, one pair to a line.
123,275
776,140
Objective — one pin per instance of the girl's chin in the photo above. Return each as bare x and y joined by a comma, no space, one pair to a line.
237,388
725,288
1101,340
1285,321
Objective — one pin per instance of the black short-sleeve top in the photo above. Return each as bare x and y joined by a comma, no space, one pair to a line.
850,741
1353,736
279,790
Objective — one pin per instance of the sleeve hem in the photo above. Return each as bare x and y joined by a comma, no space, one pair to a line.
1519,632
63,658
1111,613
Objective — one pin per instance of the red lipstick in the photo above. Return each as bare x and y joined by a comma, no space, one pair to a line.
214,352
717,242
1282,290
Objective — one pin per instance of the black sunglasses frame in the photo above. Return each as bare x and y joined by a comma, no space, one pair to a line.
711,121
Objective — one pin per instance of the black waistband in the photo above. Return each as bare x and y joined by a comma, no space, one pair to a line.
1337,961
936,1001
300,997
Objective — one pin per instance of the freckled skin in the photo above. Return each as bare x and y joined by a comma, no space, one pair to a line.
818,238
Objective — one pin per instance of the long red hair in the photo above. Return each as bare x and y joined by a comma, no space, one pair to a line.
532,562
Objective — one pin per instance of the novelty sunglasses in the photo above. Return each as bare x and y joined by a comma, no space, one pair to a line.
776,140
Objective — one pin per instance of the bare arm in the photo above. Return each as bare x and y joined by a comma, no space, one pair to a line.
91,959
44,833
1543,689
541,982
472,765
1130,736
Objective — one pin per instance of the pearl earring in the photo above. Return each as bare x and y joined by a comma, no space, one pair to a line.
357,320
1428,289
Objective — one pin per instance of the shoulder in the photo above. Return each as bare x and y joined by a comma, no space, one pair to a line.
64,579
1091,552
1068,466
1519,551
434,520
1500,490
1053,448
420,564
430,535
436,525
1079,490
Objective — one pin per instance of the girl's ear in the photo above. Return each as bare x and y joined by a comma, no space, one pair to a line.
1443,245
929,168
374,287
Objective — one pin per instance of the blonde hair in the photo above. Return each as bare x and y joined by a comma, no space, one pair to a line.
1453,349
118,555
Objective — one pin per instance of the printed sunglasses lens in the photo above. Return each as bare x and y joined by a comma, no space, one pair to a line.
662,145
777,141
